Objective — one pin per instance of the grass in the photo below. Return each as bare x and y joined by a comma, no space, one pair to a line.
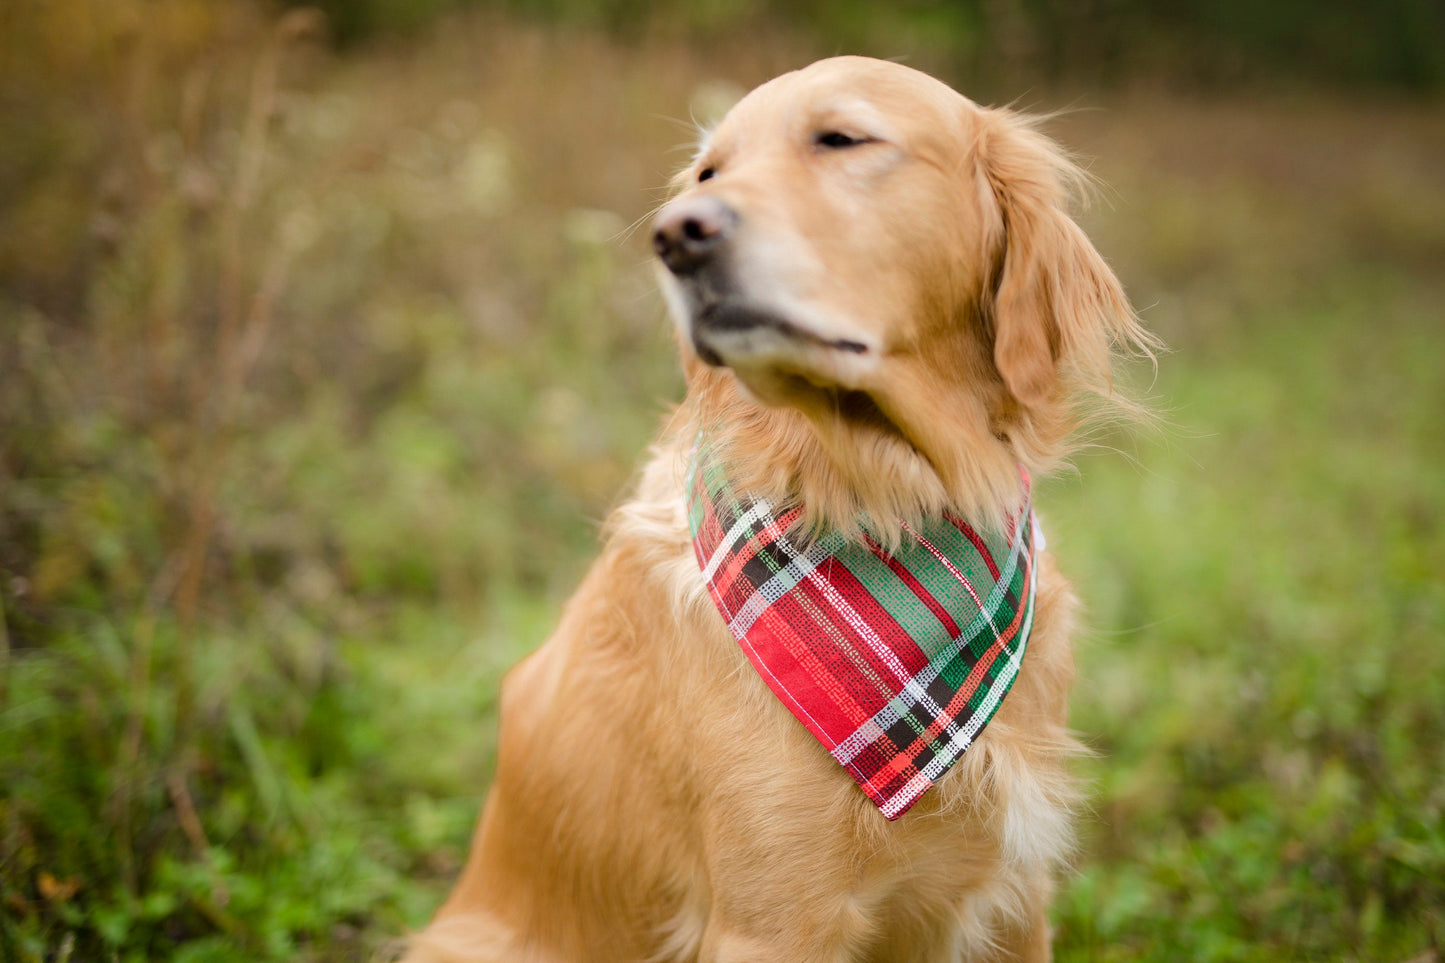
309,411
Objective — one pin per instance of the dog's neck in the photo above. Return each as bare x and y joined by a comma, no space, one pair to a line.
843,465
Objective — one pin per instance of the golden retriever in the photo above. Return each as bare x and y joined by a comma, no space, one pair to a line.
885,313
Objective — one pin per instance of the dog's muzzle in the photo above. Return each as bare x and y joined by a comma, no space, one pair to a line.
696,238
690,233
693,237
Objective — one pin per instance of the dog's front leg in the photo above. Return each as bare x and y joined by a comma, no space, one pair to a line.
1028,940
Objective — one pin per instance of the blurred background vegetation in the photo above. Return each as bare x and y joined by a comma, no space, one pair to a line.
325,345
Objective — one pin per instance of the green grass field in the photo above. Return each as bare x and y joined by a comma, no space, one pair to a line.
319,371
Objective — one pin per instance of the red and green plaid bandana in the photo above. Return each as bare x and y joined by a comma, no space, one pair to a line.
894,662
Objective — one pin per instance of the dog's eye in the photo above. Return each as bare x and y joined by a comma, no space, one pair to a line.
706,174
837,139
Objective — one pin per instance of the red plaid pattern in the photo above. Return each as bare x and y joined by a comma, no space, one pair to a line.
895,662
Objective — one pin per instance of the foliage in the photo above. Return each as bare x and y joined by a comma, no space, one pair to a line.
1192,43
301,414
1270,694
317,372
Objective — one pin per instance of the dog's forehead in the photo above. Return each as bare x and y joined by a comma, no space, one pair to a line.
845,88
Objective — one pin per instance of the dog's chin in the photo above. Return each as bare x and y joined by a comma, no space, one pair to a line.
748,331
777,355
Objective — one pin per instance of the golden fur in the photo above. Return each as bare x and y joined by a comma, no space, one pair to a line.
944,320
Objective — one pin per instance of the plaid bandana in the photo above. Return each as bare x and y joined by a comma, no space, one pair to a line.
894,662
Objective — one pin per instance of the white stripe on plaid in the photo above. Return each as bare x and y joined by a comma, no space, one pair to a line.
799,567
804,565
736,534
899,705
911,686
959,744
764,515
783,581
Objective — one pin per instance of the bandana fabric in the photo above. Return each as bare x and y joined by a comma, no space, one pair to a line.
895,662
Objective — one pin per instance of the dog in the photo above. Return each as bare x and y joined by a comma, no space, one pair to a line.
887,320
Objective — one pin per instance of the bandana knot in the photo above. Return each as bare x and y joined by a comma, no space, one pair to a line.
893,661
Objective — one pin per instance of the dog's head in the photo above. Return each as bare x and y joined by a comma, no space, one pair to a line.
861,246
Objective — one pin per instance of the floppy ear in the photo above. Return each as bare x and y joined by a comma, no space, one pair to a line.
1057,307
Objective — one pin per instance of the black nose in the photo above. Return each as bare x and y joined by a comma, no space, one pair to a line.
689,232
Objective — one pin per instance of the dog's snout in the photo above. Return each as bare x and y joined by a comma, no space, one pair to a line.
688,232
